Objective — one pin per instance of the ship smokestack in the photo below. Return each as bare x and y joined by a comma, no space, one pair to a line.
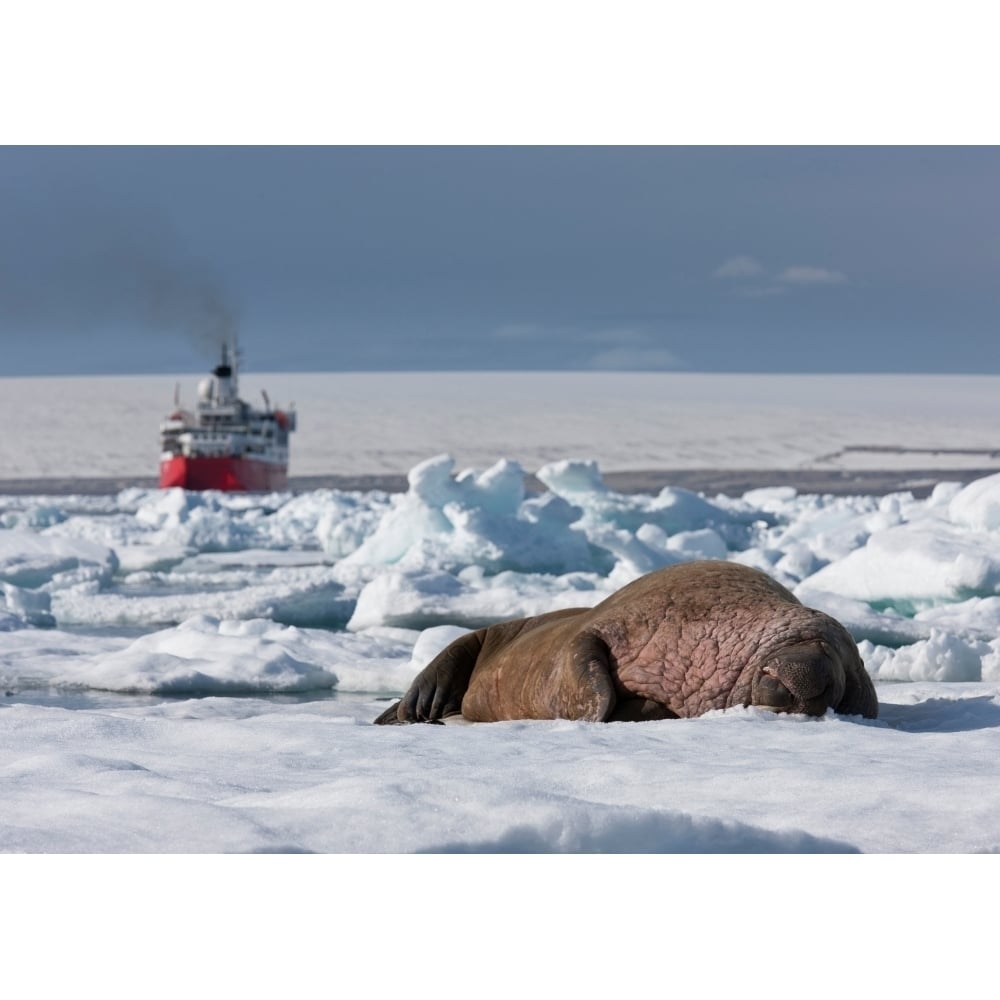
225,368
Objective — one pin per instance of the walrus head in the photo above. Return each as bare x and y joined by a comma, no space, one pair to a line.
807,677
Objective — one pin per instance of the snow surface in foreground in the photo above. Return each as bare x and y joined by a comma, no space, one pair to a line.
227,774
197,672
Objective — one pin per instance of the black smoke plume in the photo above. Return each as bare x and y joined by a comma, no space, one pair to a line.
73,269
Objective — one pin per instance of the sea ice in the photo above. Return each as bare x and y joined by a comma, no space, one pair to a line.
260,635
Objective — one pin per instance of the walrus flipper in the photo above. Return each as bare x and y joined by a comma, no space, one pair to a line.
585,690
389,716
591,696
438,689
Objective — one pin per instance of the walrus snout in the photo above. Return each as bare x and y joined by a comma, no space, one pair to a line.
804,678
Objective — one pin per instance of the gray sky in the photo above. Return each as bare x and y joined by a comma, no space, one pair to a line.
136,259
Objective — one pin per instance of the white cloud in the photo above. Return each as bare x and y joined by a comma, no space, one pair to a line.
519,331
616,348
743,268
805,275
740,267
618,337
762,291
633,359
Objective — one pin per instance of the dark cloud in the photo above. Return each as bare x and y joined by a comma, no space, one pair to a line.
78,267
758,259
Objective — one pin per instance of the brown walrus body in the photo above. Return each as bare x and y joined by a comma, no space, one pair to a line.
673,644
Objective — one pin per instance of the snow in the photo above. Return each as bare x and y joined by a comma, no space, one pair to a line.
195,673
387,422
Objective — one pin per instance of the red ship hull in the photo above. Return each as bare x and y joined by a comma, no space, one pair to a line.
223,473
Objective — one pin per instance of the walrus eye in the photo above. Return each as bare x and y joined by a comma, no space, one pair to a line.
771,693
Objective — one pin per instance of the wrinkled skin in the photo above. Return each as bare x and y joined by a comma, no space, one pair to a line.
673,644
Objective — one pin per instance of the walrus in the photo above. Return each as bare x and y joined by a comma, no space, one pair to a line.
675,643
